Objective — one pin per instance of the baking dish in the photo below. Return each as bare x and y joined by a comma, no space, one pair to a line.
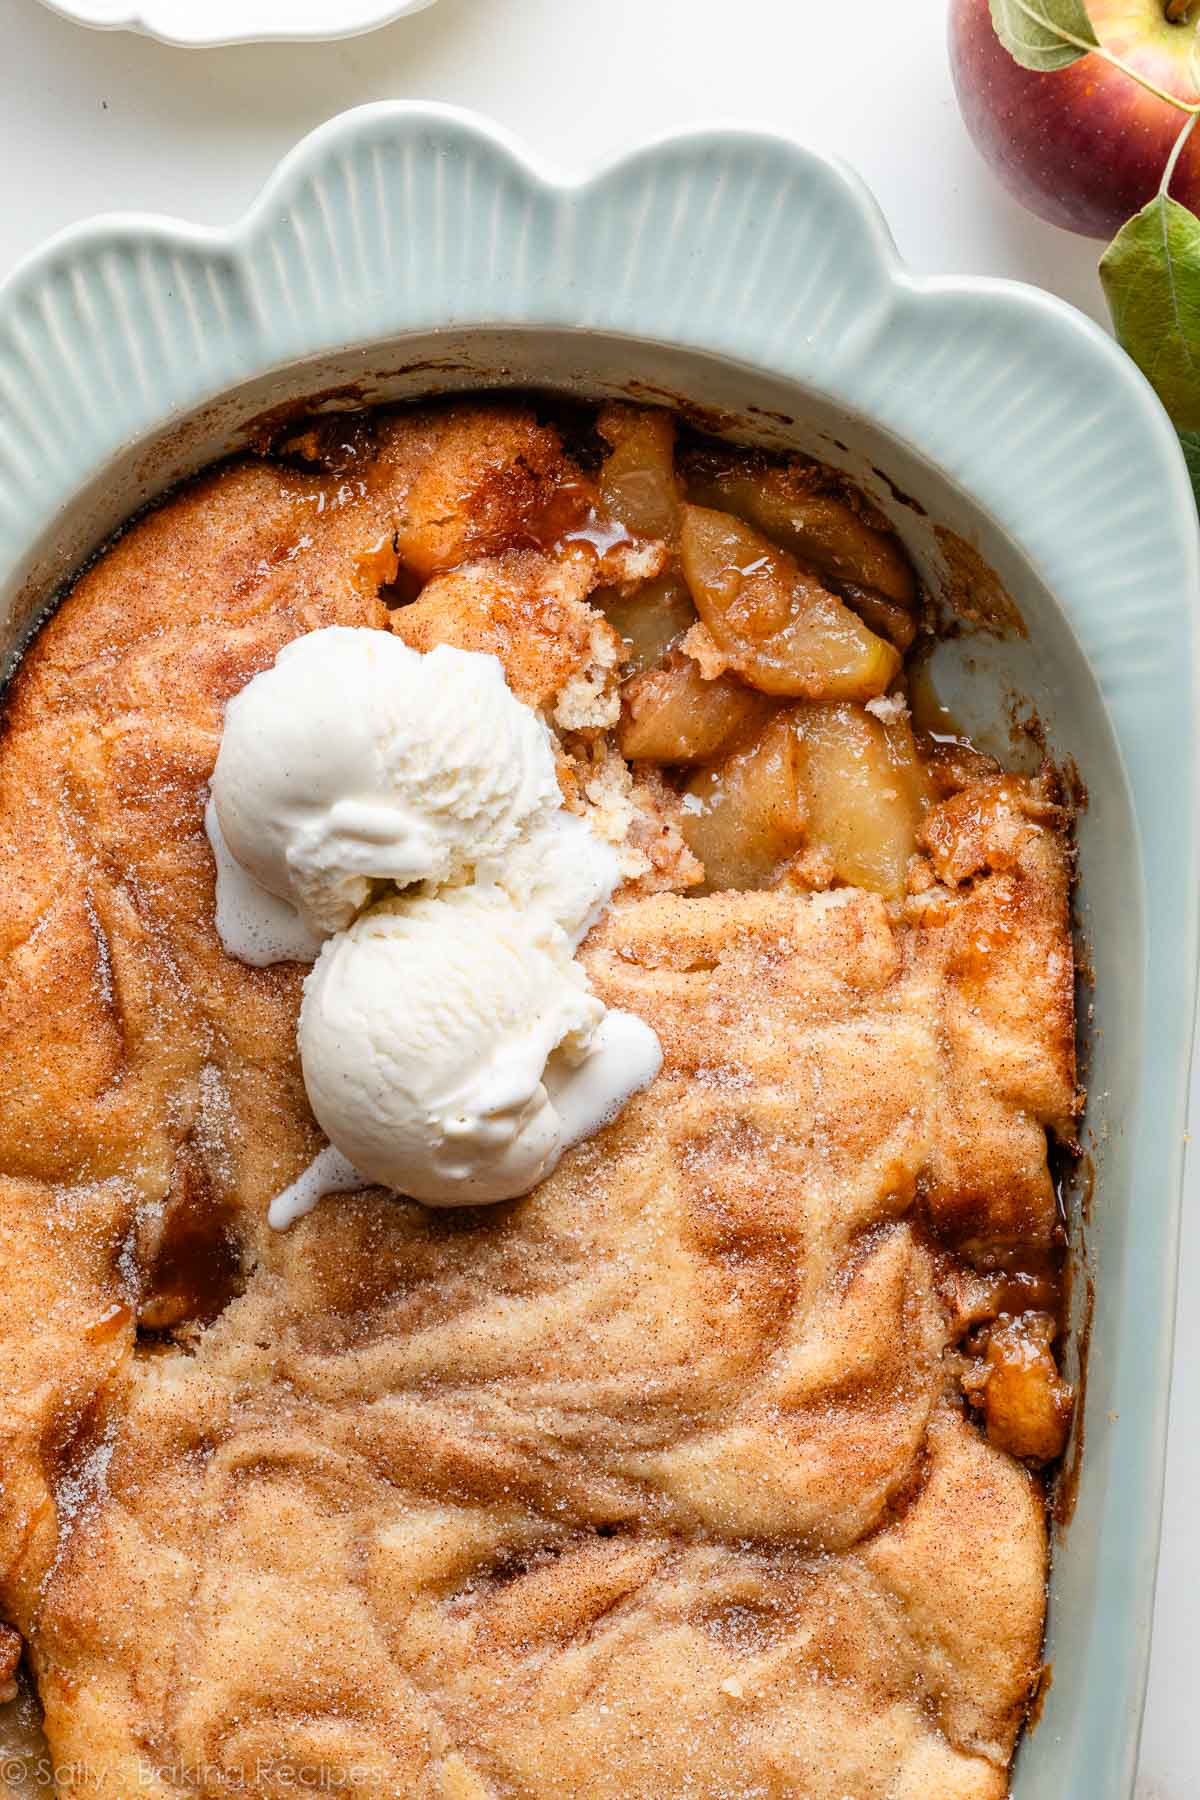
407,249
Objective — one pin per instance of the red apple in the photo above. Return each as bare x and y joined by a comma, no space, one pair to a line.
1084,146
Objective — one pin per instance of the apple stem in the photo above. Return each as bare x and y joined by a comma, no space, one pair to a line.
1164,186
1179,11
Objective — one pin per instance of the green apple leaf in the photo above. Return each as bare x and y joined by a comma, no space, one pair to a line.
1044,34
1151,278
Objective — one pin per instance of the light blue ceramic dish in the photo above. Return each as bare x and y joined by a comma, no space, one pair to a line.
403,249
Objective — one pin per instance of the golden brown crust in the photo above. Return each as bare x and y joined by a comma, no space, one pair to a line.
1003,942
651,1484
467,481
525,607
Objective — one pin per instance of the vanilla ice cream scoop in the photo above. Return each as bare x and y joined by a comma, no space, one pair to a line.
559,867
356,760
451,1045
452,1048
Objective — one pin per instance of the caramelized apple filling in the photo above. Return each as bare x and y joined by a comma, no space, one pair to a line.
745,816
772,622
766,658
830,535
765,682
671,714
1026,1403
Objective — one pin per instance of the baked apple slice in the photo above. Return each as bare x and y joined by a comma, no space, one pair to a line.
650,620
866,789
1026,1403
822,531
672,715
886,618
746,815
776,626
638,484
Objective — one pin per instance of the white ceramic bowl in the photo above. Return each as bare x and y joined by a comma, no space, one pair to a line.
205,24
404,249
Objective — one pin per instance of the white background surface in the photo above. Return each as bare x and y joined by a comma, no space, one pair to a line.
92,121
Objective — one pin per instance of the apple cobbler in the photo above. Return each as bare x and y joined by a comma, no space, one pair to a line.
715,1466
